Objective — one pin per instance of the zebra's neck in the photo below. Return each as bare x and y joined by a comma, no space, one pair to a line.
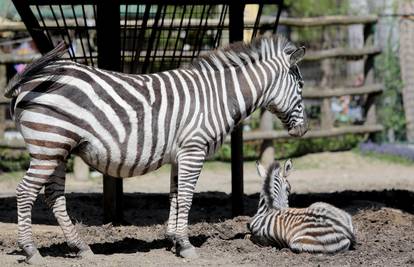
263,207
246,87
269,203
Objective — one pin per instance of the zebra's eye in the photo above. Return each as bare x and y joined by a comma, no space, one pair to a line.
301,84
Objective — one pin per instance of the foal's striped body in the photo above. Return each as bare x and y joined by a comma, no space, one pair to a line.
320,228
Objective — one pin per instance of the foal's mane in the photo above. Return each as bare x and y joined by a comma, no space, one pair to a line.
240,53
267,182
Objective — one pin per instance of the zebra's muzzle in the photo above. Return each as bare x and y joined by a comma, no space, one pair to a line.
298,130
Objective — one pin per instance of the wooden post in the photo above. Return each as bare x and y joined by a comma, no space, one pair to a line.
407,64
326,66
109,47
236,26
326,111
267,150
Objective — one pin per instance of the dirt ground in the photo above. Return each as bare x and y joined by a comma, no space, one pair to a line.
378,194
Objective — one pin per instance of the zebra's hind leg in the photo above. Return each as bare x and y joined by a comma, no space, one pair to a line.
26,193
54,196
172,218
190,163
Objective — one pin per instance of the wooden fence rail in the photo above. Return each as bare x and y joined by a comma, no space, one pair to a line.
314,92
283,135
294,22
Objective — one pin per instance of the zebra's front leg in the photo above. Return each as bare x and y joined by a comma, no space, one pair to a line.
190,163
54,195
172,219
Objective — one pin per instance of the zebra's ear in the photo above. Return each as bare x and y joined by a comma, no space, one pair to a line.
287,168
261,170
296,56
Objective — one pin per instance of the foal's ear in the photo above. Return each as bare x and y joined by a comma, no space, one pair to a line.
261,170
287,167
297,55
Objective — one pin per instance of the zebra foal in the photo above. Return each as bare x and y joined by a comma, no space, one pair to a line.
320,228
126,125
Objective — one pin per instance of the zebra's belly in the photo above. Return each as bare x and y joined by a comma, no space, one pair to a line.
125,163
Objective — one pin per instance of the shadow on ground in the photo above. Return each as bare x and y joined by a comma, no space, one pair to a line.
142,209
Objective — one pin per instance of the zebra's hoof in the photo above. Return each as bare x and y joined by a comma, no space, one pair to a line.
35,259
85,254
171,236
188,253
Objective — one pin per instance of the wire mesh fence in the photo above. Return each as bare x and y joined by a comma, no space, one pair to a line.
153,37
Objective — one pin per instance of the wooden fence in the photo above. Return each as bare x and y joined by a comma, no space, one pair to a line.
369,90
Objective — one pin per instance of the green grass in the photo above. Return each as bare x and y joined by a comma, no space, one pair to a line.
11,176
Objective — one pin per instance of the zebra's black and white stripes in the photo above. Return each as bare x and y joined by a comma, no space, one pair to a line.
320,228
126,125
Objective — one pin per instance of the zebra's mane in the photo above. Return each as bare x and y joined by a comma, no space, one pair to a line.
240,53
267,185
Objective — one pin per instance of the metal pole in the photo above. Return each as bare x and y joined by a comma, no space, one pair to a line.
109,47
236,27
43,44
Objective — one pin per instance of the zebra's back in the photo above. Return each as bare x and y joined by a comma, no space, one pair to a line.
320,228
120,125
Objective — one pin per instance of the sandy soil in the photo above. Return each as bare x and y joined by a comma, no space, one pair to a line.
384,219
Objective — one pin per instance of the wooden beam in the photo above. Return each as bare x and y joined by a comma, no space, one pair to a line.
328,20
333,132
295,22
4,100
341,52
13,144
10,125
314,92
13,59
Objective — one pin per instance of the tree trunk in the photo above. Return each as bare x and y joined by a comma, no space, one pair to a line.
407,64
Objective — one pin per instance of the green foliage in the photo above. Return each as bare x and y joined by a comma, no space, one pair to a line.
294,147
19,160
315,37
391,110
308,8
13,160
299,147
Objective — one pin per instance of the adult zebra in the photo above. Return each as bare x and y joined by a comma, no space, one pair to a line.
126,125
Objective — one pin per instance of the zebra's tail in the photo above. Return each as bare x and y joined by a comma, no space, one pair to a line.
33,70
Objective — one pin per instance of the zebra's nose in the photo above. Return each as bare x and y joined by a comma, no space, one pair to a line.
298,130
